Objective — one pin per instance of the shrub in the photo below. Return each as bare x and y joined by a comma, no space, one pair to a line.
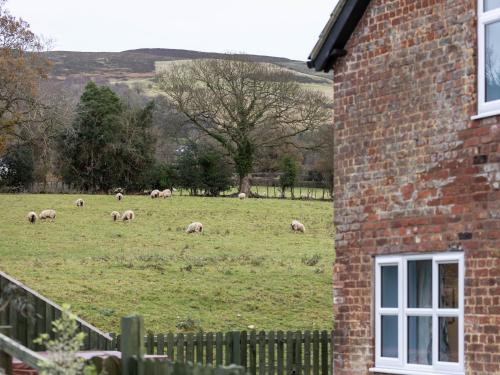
62,350
201,169
290,172
17,166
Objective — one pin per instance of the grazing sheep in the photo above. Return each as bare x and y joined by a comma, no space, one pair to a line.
32,217
297,226
242,195
155,194
166,193
115,215
79,202
195,227
47,214
128,215
119,196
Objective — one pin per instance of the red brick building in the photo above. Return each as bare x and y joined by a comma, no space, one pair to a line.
417,185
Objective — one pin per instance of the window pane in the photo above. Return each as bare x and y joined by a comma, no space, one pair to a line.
420,340
420,283
448,286
491,4
389,275
448,339
492,61
389,336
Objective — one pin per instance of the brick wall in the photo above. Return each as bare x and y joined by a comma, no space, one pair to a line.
413,172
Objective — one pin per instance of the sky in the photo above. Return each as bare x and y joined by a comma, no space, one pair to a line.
284,28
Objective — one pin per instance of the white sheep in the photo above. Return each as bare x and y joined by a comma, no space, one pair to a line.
79,202
119,196
47,214
195,227
115,215
155,194
32,217
242,195
166,193
128,215
297,226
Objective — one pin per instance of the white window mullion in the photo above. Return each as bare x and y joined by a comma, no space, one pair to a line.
401,305
404,317
461,282
435,304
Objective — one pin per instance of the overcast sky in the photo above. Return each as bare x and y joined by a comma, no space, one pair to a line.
285,28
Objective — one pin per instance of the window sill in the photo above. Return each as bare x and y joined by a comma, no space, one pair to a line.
479,116
413,372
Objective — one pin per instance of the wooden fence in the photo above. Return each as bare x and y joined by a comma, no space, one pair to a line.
38,315
130,362
260,353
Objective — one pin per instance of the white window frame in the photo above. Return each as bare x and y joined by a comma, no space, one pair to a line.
484,108
399,365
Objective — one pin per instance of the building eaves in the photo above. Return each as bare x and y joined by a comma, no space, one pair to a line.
336,33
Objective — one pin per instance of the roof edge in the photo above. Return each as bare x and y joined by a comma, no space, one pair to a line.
339,28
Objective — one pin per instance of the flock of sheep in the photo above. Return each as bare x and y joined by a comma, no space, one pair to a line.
128,215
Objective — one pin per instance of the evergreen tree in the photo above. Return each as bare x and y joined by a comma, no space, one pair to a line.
109,145
290,171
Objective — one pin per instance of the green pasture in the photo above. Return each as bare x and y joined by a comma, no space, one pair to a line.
247,268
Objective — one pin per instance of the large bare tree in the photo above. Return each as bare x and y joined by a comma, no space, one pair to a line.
21,68
244,106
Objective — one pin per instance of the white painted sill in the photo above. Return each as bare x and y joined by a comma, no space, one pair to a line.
412,372
479,116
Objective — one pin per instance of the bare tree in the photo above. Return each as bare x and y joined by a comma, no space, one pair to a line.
244,106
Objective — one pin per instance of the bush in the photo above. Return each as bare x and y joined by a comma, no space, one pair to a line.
161,176
17,167
201,169
290,171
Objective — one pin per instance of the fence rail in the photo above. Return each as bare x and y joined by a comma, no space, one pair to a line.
11,349
262,353
264,188
38,317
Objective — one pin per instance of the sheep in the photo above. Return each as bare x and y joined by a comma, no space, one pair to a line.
166,193
47,214
195,227
79,202
128,216
119,196
115,215
242,195
297,226
155,194
32,217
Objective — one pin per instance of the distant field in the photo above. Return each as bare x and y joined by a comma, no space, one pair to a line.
248,268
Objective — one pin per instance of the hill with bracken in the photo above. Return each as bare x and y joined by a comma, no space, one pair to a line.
138,67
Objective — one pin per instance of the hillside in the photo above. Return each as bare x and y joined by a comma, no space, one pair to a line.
137,66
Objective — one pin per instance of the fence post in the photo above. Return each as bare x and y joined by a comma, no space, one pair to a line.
132,345
236,356
5,359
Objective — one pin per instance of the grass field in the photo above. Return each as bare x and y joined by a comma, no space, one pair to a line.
248,268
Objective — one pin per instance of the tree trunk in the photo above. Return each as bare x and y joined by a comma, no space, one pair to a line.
245,185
